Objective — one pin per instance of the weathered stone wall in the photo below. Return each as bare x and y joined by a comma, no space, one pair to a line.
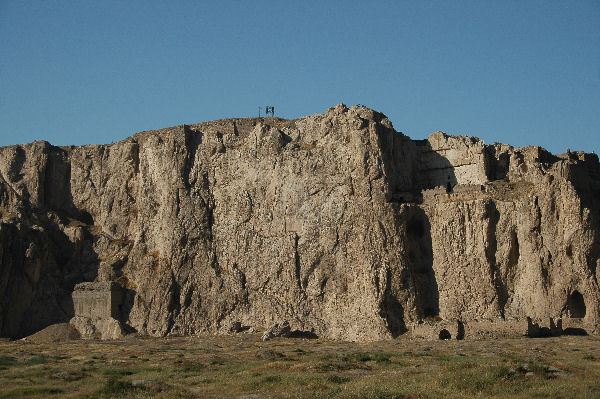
454,160
98,310
98,300
324,221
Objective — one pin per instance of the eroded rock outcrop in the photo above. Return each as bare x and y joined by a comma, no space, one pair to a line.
334,222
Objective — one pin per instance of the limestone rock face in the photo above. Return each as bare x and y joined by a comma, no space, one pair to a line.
334,222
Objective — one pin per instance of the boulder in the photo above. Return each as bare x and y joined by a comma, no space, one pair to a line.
277,330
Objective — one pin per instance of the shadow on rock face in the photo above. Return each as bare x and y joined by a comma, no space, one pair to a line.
417,273
36,297
420,263
574,331
125,309
576,305
303,334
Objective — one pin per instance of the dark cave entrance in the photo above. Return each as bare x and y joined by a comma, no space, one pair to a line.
445,335
576,305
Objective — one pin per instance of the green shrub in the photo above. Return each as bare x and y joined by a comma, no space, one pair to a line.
193,367
117,372
37,359
271,378
337,379
114,386
27,392
7,361
379,357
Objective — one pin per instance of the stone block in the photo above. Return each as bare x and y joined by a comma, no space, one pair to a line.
98,310
97,300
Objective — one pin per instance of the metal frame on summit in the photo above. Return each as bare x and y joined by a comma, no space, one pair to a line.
269,110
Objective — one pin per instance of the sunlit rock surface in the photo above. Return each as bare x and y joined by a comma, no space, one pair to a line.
335,223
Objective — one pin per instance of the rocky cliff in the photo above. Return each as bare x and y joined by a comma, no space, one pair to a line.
336,223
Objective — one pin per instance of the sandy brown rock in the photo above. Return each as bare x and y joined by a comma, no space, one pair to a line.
334,222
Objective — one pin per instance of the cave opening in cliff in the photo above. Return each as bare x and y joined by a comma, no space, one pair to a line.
569,251
445,335
576,305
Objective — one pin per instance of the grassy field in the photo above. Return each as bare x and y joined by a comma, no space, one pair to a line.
244,367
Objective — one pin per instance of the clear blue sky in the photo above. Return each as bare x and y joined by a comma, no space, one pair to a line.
520,72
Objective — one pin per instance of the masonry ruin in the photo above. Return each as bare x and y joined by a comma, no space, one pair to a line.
98,307
97,300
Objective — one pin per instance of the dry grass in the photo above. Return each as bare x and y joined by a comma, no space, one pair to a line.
244,367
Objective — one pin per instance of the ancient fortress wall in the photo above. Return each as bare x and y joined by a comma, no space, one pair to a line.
335,222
